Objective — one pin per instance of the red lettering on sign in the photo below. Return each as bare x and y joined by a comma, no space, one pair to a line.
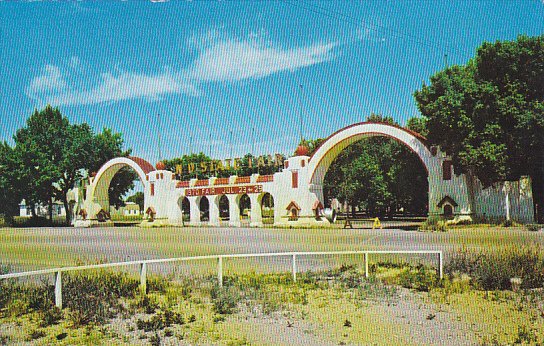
224,190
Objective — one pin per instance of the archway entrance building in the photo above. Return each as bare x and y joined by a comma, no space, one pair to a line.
300,184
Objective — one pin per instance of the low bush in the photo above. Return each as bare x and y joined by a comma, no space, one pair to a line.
36,334
157,284
421,278
534,227
94,297
161,320
50,316
225,299
434,224
493,271
145,303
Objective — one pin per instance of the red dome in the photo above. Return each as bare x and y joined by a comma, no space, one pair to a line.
302,150
160,166
93,174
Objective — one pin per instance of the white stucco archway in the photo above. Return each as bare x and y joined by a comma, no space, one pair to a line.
326,153
97,192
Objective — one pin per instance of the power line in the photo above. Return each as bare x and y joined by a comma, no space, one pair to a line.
353,20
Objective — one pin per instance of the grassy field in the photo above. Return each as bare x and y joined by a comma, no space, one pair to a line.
399,304
335,307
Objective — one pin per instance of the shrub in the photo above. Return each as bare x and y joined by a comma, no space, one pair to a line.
93,298
420,278
157,284
225,299
145,303
36,334
17,307
534,227
525,336
161,320
50,316
155,340
434,224
507,223
492,271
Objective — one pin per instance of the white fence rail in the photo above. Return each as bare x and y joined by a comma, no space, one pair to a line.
143,265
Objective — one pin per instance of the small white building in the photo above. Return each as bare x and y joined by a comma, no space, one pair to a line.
41,210
129,209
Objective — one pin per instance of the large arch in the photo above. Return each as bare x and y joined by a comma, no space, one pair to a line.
322,158
98,189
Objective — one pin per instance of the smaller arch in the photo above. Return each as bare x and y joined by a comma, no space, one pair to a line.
267,208
204,208
224,208
185,207
244,203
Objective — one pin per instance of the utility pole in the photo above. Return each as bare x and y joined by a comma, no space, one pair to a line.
253,141
159,135
300,111
231,147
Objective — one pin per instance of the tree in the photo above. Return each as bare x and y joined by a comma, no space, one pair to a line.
244,168
51,155
10,192
38,150
488,115
77,155
184,161
137,198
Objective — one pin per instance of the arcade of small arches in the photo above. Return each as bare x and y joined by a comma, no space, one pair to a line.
293,196
227,210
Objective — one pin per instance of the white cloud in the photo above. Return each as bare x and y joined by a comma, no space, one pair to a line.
50,80
235,60
218,59
75,62
125,86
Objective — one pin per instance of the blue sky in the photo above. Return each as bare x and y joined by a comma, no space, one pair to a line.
216,70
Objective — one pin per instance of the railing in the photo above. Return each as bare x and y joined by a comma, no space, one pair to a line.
143,265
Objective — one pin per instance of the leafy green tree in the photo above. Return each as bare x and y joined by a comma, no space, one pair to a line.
10,192
51,155
137,198
244,168
38,150
488,115
184,161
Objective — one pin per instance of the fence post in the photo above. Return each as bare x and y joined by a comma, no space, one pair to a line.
220,271
441,265
294,268
143,277
366,264
58,290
